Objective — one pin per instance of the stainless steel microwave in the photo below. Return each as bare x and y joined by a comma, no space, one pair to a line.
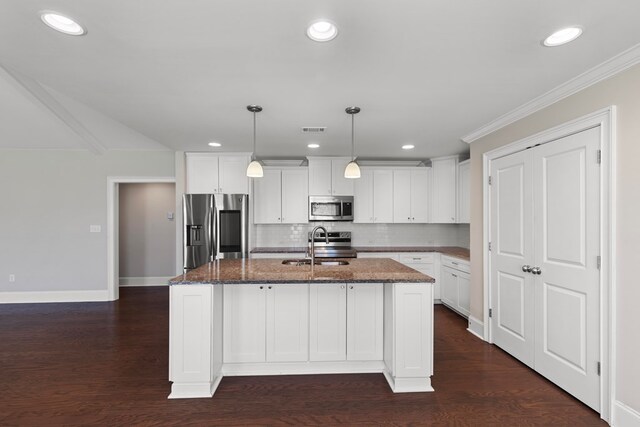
330,208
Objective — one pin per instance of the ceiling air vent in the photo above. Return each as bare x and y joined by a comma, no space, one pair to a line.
316,129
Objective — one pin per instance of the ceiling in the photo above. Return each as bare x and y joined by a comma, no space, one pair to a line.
178,74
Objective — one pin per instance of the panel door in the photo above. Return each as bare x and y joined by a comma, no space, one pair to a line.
267,198
567,217
202,173
287,333
420,196
464,193
429,270
443,205
363,197
383,196
327,322
464,289
364,321
319,177
244,323
449,287
402,196
341,186
512,249
233,174
295,196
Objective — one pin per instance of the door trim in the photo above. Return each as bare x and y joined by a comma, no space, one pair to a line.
606,120
113,184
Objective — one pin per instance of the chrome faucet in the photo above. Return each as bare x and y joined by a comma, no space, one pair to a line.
313,242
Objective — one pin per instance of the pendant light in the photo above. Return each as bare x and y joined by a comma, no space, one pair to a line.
352,170
254,170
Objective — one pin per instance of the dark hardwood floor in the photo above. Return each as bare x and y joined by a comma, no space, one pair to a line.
106,364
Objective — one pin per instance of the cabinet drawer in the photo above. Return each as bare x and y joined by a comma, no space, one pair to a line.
417,258
391,255
456,263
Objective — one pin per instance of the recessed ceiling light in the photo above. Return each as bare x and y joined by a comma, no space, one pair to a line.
563,36
215,144
408,147
62,23
322,30
313,145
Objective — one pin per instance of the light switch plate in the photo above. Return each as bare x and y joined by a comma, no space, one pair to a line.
95,229
169,215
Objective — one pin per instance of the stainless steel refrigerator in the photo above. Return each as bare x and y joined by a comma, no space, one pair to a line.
215,226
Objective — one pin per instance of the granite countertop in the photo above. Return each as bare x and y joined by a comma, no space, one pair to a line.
453,251
247,270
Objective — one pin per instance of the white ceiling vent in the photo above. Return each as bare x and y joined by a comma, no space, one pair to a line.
316,129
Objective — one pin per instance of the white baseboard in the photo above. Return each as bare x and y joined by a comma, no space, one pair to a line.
144,281
624,416
476,327
53,296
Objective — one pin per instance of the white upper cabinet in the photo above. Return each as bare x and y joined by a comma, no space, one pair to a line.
212,173
464,193
326,177
410,196
443,190
280,197
373,197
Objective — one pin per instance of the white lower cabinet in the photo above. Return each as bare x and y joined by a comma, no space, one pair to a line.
426,263
455,284
346,322
265,323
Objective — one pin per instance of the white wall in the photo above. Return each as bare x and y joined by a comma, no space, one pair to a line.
49,199
147,237
622,90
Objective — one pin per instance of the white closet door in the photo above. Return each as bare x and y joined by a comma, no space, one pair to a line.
567,218
512,290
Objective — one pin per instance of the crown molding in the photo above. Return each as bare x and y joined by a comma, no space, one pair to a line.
609,68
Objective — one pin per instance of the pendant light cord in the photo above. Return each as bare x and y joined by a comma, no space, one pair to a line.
352,139
253,157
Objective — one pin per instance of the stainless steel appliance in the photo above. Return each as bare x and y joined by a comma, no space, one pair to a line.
334,244
215,226
330,208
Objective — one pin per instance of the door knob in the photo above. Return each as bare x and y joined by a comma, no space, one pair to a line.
526,268
536,270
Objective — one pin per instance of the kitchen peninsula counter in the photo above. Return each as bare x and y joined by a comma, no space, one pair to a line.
247,270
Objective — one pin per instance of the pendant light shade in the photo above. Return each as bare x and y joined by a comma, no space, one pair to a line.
254,170
352,170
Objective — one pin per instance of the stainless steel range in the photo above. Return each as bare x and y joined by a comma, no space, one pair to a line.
339,245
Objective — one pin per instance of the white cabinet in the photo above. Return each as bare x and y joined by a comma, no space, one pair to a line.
346,322
211,173
373,197
455,284
265,323
464,192
326,177
443,190
410,195
426,263
280,197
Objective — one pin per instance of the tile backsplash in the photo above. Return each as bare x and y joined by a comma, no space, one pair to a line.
277,235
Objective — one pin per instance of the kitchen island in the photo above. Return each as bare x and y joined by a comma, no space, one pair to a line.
266,317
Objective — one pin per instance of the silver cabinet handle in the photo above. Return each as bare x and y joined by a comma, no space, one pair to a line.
454,263
351,287
454,275
526,268
342,287
536,270
261,287
269,287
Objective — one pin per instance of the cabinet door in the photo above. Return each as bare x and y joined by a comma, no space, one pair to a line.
341,186
364,321
233,174
363,197
402,196
202,173
267,198
383,196
295,196
319,177
464,305
287,332
464,194
327,322
420,196
244,328
443,205
449,287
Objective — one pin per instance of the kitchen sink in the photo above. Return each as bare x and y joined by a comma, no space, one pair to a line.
318,262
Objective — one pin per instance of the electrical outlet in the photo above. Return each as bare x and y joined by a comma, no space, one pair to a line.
12,278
